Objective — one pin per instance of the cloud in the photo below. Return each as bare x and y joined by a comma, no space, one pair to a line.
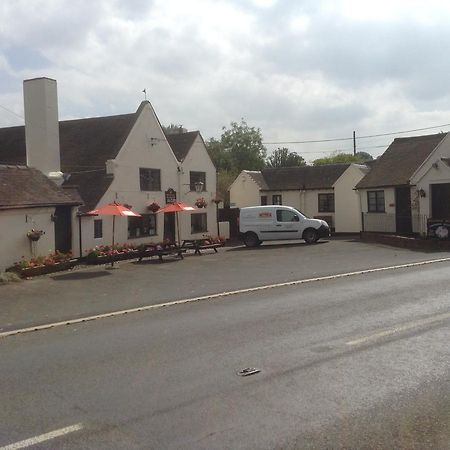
298,70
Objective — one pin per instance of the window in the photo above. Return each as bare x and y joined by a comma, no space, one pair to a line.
197,177
375,201
286,216
98,228
326,202
150,179
198,223
276,200
263,200
142,226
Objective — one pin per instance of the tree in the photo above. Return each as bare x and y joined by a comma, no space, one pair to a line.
338,158
240,148
365,156
174,129
282,157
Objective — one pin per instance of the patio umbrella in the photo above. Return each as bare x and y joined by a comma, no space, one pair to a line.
176,207
113,209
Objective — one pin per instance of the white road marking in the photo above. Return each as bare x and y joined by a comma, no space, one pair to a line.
43,437
400,328
215,296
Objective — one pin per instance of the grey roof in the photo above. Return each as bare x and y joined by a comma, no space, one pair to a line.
23,187
399,162
305,177
181,143
258,178
85,146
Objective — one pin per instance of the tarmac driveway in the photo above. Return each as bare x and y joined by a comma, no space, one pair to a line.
96,290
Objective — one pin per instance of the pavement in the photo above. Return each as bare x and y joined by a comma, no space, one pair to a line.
99,289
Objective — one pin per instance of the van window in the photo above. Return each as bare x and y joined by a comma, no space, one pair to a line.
284,215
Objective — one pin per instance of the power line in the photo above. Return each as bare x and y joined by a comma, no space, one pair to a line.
12,112
317,141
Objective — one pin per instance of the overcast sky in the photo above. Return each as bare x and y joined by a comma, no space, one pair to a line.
297,69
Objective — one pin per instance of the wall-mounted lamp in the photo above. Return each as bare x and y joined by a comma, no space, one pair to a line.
198,185
422,193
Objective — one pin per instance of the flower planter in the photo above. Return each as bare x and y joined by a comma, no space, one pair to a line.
105,259
43,270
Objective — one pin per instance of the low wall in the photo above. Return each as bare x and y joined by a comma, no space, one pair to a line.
415,243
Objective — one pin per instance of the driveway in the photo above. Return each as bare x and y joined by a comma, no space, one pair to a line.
97,290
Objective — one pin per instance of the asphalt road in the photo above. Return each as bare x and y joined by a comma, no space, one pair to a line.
354,363
97,290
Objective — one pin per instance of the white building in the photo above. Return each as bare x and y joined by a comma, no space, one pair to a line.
325,192
408,186
125,158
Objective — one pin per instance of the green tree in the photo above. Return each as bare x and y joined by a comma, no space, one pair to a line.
282,157
240,148
173,129
338,158
365,156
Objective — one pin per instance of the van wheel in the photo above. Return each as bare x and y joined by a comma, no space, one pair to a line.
251,240
310,236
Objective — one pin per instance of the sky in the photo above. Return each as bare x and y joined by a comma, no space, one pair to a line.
300,70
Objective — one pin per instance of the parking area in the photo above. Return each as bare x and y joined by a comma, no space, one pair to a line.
96,290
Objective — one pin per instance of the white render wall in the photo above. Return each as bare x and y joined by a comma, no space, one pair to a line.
347,201
198,160
380,222
147,147
15,223
244,191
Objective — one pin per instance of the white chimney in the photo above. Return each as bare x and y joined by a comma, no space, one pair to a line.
42,127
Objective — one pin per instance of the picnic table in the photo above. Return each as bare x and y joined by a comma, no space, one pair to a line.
199,244
151,251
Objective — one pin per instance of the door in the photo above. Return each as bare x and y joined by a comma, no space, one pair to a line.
63,228
440,201
287,225
169,226
403,220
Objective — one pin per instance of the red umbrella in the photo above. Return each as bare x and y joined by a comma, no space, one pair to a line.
176,207
113,209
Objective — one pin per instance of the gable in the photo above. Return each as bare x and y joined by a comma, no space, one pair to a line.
181,143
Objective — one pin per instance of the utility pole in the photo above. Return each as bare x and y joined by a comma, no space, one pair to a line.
354,143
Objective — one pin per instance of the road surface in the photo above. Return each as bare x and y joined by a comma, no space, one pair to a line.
356,362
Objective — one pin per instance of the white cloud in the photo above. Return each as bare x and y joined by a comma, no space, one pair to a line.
297,70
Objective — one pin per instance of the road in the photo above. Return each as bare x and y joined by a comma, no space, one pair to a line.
357,362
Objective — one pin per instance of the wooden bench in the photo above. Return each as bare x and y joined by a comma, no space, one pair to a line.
197,246
160,253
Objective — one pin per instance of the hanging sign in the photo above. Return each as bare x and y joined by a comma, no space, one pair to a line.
171,196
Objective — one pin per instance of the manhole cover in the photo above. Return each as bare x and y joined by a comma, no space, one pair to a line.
248,371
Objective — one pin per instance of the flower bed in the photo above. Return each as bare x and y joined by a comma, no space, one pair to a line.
103,254
41,265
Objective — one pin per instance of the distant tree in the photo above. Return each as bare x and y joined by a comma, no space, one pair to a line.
365,156
240,148
339,158
282,157
174,129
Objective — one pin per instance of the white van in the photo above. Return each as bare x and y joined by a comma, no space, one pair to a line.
276,222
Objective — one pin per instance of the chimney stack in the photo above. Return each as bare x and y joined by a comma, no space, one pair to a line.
42,127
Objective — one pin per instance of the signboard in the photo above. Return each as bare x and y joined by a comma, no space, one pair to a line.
171,196
265,214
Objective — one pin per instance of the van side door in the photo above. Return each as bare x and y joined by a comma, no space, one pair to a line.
287,225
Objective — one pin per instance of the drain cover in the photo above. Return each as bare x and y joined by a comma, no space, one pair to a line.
248,371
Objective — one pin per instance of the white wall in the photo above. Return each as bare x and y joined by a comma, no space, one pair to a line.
15,223
147,147
244,191
198,160
347,202
138,151
432,171
382,222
